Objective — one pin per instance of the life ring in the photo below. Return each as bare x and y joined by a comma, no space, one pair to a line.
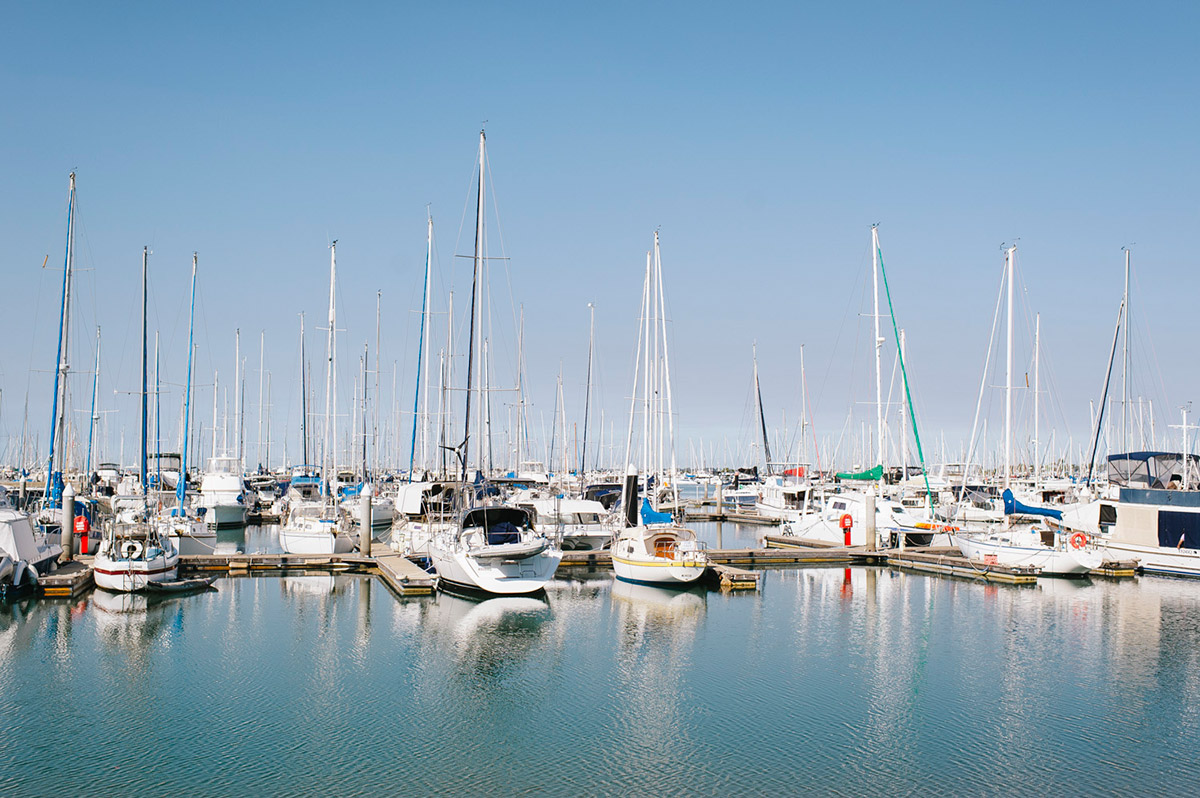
131,550
846,521
82,526
1078,540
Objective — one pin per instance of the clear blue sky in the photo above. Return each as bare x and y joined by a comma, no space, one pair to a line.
762,140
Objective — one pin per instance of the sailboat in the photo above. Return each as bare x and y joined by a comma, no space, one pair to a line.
314,525
132,552
1055,553
650,548
491,549
187,531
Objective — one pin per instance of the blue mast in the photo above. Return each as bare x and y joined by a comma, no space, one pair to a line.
54,482
181,487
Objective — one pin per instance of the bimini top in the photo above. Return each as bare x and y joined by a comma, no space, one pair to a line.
1156,470
488,517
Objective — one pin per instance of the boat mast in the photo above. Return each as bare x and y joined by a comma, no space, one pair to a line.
237,382
58,407
464,447
1037,357
181,485
878,348
1008,378
375,407
762,417
666,371
303,399
157,422
93,416
1125,366
145,408
365,356
422,362
587,397
330,397
262,351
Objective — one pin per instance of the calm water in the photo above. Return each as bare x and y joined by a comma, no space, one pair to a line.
855,682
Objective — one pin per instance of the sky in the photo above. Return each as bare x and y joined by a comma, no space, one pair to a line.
761,141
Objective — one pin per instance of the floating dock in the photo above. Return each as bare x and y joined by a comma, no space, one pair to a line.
70,580
950,562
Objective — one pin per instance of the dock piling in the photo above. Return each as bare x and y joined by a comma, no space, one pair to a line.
68,522
364,521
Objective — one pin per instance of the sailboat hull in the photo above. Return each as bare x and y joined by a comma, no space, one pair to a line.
481,571
1052,561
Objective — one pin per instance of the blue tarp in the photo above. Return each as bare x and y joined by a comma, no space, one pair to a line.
652,516
1014,507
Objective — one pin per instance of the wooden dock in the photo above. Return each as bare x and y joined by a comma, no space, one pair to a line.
403,575
950,562
729,578
70,580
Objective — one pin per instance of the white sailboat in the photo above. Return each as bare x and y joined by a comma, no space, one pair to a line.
133,552
649,547
1053,552
314,526
490,549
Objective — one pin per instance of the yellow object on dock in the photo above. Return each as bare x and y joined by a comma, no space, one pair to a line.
70,580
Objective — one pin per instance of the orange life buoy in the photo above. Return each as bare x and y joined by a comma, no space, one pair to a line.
1078,540
846,521
81,525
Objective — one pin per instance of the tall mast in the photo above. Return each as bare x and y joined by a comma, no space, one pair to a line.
157,420
762,417
237,382
93,417
803,413
365,357
425,323
587,397
878,346
58,407
216,374
422,364
1125,366
303,397
330,397
375,407
1037,361
1008,378
145,409
181,485
262,350
666,373
478,261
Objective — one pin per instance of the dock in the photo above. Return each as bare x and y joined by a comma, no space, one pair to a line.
404,576
70,580
950,562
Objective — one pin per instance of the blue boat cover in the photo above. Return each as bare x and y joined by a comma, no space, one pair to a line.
1014,507
652,516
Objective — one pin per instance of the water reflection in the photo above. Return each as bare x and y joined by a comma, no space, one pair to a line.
846,681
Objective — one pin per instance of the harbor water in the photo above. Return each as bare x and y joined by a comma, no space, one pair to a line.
828,680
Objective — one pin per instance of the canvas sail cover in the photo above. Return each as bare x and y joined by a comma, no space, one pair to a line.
872,475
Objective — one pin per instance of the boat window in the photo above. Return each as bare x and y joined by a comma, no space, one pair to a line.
839,505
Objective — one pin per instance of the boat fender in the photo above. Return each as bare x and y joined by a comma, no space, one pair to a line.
1078,540
131,550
